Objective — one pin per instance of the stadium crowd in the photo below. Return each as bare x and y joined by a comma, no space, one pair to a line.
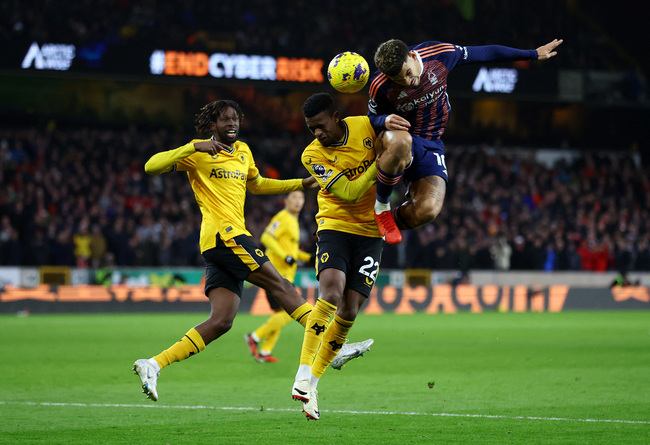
80,197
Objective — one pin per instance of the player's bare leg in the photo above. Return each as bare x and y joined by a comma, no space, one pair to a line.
426,198
269,279
223,309
224,304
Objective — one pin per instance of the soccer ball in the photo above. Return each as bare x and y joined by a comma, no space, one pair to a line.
348,72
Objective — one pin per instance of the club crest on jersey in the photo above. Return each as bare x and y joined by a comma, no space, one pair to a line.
242,158
367,142
324,257
259,253
432,77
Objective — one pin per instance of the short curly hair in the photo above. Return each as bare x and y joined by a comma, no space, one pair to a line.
318,103
390,57
210,112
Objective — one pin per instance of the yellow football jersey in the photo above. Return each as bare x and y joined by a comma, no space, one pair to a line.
219,184
284,228
350,157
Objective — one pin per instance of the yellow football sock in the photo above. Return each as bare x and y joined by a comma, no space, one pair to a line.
316,325
270,331
302,313
333,340
192,343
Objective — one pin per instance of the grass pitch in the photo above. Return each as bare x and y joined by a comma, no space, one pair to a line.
490,378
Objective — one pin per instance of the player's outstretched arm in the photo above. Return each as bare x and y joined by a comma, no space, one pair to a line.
309,183
269,186
164,161
547,51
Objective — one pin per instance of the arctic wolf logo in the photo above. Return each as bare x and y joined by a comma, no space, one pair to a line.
49,56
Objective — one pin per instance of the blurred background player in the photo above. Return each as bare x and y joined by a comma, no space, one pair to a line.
349,246
409,93
281,238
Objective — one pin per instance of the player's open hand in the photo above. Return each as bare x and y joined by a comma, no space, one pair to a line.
547,51
210,147
395,122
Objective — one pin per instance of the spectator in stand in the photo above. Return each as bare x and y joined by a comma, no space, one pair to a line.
642,254
443,258
38,249
82,241
538,254
501,253
63,249
11,249
562,261
97,247
587,254
463,255
519,260
419,248
550,261
118,242
625,256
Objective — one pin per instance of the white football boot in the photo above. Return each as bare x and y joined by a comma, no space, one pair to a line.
300,390
148,370
351,351
311,408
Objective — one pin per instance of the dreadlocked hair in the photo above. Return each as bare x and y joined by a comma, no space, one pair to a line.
210,112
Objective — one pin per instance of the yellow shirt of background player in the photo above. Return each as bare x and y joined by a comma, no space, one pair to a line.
284,229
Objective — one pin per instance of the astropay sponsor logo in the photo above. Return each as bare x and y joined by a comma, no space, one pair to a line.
49,56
